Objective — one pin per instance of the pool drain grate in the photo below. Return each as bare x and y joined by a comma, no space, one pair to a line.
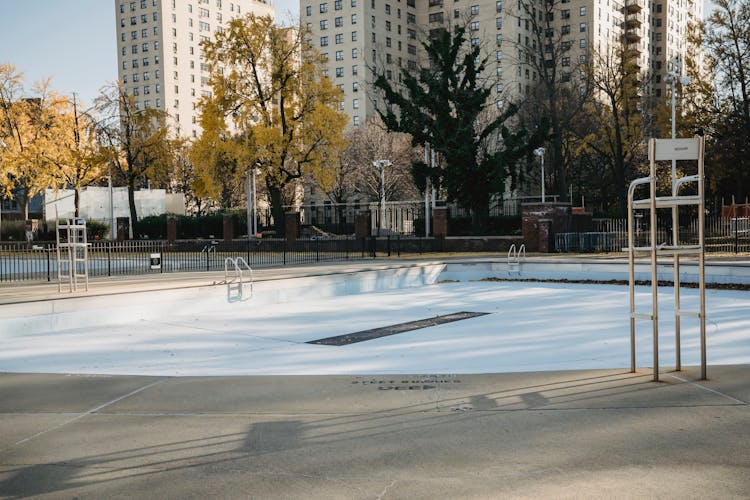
385,331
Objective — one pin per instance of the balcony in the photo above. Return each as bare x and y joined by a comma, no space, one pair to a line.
631,7
632,21
632,35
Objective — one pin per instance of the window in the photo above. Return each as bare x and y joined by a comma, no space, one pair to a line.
136,77
355,120
133,35
565,14
144,47
474,10
582,58
582,43
124,64
132,6
583,11
339,22
143,4
388,41
134,49
339,38
324,41
339,72
354,36
339,55
388,26
355,53
411,49
355,104
354,3
474,26
499,6
155,16
144,33
337,5
324,24
122,51
566,61
565,29
499,23
499,55
324,56
133,21
475,42
355,69
323,8
122,8
308,10
147,89
156,31
582,27
144,18
354,18
145,62
436,17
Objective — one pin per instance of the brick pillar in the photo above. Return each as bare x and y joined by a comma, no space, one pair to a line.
545,233
171,228
291,228
228,228
440,222
362,225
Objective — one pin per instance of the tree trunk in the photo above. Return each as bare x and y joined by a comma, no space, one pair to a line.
77,200
131,204
277,209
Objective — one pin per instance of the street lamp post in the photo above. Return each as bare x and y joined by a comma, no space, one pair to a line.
256,173
540,153
3,146
382,164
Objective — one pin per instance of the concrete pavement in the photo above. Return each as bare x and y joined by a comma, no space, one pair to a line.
580,434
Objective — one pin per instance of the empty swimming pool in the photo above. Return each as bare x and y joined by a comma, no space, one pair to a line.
524,327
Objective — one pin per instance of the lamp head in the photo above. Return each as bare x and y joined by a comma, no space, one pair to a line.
539,151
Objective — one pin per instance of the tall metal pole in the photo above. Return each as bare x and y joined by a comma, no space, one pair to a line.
112,228
255,202
250,201
542,178
382,193
427,189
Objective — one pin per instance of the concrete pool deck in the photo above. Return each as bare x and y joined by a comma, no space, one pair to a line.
561,434
572,434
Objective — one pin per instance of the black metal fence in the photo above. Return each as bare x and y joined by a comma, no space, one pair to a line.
20,261
722,235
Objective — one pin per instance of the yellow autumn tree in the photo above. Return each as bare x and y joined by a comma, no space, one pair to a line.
215,155
30,127
269,82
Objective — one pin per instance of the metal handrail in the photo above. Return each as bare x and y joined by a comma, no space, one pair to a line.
516,256
238,265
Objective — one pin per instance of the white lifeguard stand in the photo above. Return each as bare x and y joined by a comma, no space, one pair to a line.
660,150
72,254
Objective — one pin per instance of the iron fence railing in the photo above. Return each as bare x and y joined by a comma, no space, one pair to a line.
722,235
20,261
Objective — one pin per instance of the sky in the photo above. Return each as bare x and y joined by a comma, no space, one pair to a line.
72,41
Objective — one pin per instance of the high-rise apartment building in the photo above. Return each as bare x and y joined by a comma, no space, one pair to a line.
160,61
361,37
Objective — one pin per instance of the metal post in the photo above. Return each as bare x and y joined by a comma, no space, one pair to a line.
427,184
256,172
250,202
675,242
654,275
112,228
702,255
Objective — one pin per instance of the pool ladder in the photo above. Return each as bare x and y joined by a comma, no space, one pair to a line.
515,257
234,277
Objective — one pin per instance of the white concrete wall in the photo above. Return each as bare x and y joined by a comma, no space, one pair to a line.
95,203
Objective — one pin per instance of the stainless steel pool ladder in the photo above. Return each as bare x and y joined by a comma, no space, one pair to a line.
515,257
234,277
72,254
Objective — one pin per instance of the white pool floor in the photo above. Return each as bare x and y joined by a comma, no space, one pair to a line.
532,327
